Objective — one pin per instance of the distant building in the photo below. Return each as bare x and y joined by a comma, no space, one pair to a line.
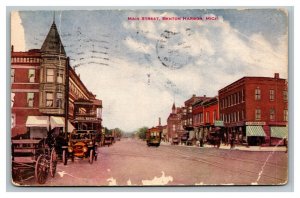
174,126
255,109
206,117
40,79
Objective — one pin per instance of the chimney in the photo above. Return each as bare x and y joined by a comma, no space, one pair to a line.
12,48
204,96
159,121
276,75
194,95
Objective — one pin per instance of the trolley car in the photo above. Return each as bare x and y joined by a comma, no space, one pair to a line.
153,136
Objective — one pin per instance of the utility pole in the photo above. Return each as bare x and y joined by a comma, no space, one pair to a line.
67,97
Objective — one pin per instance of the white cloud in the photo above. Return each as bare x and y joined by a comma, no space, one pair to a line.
211,54
17,32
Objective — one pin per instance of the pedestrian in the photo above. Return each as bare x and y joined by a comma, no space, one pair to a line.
231,140
225,139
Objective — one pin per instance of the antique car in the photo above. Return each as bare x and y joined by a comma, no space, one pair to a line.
82,144
153,136
108,140
175,141
33,156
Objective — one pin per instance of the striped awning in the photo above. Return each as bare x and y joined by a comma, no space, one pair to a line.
279,132
255,131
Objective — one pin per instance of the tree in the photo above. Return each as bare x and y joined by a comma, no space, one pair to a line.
142,132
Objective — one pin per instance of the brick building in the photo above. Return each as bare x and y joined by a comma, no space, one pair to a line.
187,118
40,79
206,117
255,109
174,124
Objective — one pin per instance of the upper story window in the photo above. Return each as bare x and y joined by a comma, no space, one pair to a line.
272,95
49,99
257,114
285,115
31,75
243,95
285,95
12,75
207,116
272,114
60,76
257,93
50,75
59,99
214,115
190,109
30,99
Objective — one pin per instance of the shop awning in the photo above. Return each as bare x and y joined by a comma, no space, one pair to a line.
279,132
37,121
57,122
60,122
255,131
70,127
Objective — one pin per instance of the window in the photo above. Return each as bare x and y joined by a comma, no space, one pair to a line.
60,76
31,75
30,98
59,98
190,121
12,75
285,115
243,95
50,75
174,127
49,99
243,115
207,117
13,120
238,116
272,114
285,95
257,114
190,109
257,94
214,115
272,95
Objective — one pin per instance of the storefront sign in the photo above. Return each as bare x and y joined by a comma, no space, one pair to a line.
219,123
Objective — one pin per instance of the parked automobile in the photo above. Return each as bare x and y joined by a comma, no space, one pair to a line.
82,144
175,141
108,140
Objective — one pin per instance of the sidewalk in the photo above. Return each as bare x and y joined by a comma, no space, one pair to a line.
238,147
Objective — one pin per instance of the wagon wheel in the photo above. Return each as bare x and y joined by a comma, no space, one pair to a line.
53,162
64,156
91,159
41,170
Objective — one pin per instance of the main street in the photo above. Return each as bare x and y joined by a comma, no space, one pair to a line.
131,162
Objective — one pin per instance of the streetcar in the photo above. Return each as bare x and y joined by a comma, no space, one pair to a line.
153,136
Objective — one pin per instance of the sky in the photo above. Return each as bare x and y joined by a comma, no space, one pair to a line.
138,68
